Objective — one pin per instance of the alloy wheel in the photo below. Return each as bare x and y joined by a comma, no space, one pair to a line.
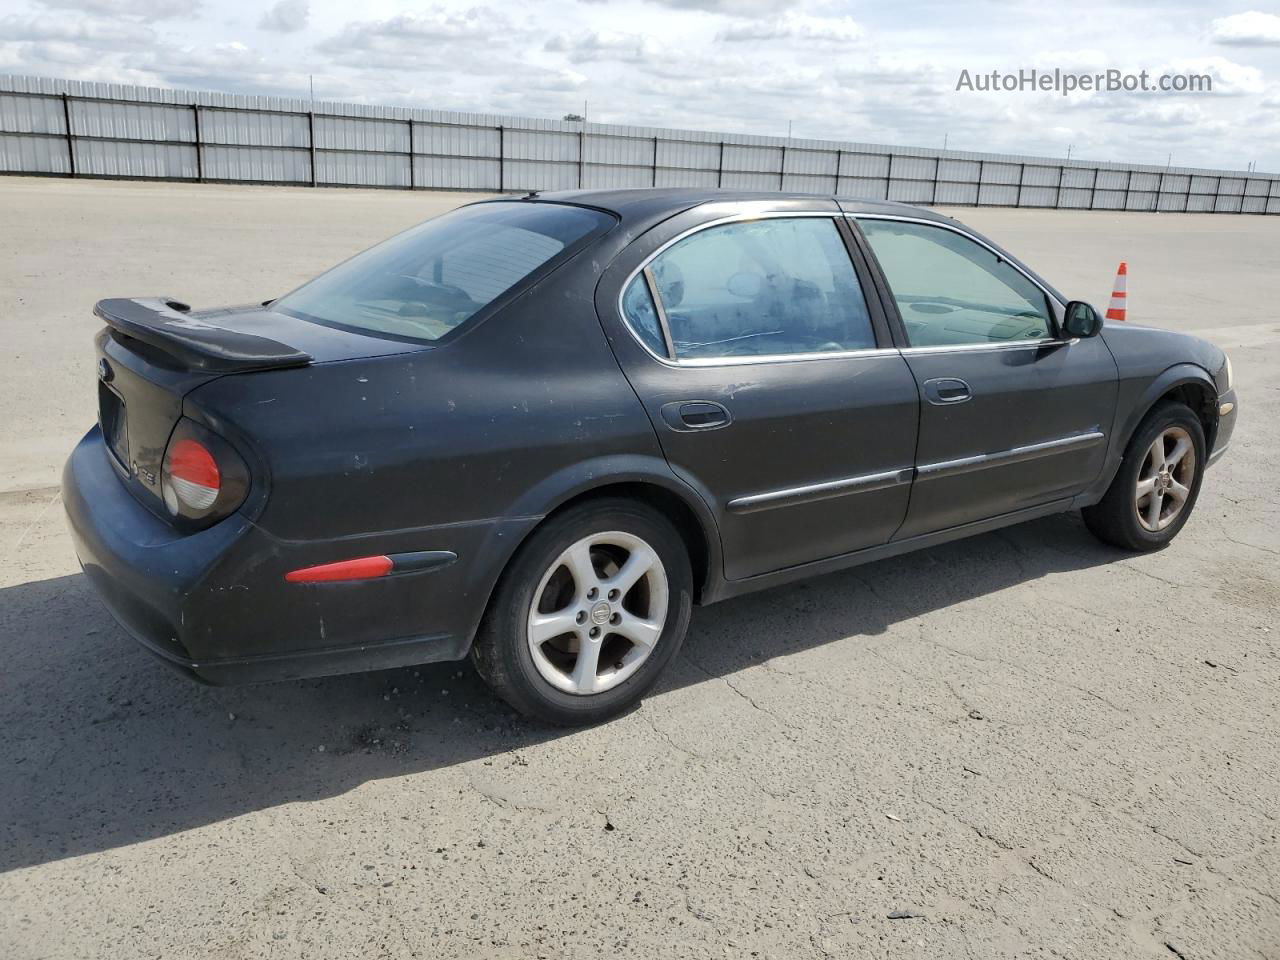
1165,479
597,613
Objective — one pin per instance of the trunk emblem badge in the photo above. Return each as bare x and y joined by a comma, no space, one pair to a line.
105,373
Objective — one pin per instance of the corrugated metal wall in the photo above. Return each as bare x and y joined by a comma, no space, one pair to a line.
72,128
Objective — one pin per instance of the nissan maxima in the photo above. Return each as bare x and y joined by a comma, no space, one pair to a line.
535,432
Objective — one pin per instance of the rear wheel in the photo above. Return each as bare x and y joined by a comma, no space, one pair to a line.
1155,489
591,610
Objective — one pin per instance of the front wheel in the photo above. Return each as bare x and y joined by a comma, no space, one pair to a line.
592,608
1155,489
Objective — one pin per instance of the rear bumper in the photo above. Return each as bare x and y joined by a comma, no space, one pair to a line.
215,604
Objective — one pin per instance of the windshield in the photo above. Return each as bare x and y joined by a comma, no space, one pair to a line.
429,280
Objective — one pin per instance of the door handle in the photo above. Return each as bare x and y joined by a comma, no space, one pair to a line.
942,390
689,415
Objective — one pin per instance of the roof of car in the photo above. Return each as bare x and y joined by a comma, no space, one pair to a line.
649,203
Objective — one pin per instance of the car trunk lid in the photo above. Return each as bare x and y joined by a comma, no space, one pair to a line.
155,350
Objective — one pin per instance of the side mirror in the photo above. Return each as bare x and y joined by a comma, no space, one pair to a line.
1081,320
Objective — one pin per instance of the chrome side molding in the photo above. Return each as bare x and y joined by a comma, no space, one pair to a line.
951,468
792,496
867,482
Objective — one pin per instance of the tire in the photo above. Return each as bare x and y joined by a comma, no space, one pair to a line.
1129,518
535,646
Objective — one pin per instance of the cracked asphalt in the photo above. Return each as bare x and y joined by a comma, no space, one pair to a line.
1024,744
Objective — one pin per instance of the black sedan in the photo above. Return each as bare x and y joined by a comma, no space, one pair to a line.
536,431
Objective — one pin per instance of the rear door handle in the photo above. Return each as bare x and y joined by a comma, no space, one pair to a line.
942,390
690,415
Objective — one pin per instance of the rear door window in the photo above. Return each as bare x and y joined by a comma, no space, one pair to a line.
771,287
428,281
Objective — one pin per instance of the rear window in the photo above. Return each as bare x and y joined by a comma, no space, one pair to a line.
429,280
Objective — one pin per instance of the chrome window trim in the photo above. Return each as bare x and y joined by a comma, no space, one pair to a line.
1030,451
659,311
673,360
792,496
1004,258
784,357
978,347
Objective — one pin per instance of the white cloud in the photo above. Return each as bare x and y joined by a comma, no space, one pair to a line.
876,71
287,16
424,41
795,26
86,31
733,8
1229,78
145,10
614,47
1247,29
1087,60
64,54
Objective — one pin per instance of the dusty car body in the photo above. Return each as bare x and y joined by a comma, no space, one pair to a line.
749,369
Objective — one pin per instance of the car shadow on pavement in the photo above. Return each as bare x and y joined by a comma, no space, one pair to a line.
102,746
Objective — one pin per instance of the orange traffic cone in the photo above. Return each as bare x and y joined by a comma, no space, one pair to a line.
1119,293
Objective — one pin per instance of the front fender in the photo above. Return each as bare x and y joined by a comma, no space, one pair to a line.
1136,401
1178,375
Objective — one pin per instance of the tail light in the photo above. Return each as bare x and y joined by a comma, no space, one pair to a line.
203,479
192,477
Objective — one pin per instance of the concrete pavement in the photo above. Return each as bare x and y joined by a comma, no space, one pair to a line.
1033,743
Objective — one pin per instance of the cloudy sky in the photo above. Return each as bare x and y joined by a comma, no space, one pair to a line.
841,69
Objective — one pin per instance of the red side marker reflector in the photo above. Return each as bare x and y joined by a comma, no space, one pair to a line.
361,568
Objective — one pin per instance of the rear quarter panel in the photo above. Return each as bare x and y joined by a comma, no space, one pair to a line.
463,447
447,435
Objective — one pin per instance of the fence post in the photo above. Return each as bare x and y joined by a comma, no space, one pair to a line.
311,136
71,147
1159,192
839,163
502,157
1128,182
1093,190
782,169
720,168
413,182
937,163
582,148
1022,176
1217,192
654,182
888,177
1057,194
195,118
982,170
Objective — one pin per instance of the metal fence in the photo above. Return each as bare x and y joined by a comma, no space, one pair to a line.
82,129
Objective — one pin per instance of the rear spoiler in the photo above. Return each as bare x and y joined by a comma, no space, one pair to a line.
169,326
